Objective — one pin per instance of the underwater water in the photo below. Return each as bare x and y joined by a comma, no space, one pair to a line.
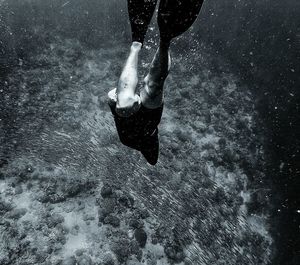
71,193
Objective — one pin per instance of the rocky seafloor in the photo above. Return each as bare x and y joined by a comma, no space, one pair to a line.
71,193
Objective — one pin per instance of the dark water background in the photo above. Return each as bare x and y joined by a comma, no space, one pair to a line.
260,39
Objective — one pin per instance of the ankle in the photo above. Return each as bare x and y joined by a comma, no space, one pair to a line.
136,46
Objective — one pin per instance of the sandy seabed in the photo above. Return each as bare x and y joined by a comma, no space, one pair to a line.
71,193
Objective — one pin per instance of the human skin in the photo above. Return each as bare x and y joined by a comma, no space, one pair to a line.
151,95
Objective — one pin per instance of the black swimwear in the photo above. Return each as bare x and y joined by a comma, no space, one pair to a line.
174,17
140,130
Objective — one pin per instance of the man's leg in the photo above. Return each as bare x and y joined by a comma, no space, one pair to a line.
152,93
140,14
174,18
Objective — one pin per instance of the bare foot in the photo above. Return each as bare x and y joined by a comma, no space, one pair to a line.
152,93
128,102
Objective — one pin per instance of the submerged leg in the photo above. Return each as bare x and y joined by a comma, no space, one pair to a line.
152,93
140,14
174,18
127,100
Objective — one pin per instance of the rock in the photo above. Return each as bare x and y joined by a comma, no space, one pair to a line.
163,232
151,258
200,126
126,200
190,208
207,116
29,185
74,187
107,208
74,230
228,155
211,130
53,198
108,259
41,257
50,207
3,162
80,207
62,239
109,205
30,168
139,255
18,190
101,215
62,228
134,247
5,207
112,220
13,184
130,200
185,94
79,252
17,213
55,219
48,248
222,143
135,223
58,262
220,196
122,249
154,240
209,170
174,251
69,261
88,217
187,262
144,213
140,236
106,191
84,260
182,135
133,262
58,247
